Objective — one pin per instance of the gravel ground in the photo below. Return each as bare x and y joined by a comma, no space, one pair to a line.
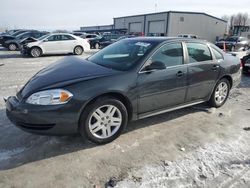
192,147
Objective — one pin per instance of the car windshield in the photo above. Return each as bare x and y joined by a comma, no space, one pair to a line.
43,37
123,55
18,33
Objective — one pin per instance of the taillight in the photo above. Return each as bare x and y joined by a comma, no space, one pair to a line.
241,63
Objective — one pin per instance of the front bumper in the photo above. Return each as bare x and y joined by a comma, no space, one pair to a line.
24,50
46,120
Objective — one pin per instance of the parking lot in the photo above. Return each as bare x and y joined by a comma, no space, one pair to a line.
193,147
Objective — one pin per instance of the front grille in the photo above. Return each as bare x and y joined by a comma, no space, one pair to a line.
35,126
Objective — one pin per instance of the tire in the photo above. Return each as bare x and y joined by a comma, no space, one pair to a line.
12,47
98,125
35,52
78,50
220,93
97,45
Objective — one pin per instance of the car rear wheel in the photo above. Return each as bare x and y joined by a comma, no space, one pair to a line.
97,46
12,47
35,52
220,93
78,50
104,120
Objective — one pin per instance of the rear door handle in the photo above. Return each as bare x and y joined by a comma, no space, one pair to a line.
215,67
179,74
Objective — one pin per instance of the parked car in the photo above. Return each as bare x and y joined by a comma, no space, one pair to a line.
234,43
14,44
56,43
9,32
6,37
89,36
78,33
246,63
96,42
107,43
129,80
188,36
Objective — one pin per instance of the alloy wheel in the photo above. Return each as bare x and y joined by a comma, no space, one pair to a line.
221,92
35,52
78,50
105,121
12,47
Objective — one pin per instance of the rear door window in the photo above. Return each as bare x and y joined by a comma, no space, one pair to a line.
66,37
198,52
54,38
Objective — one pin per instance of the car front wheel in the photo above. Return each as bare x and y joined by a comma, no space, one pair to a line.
12,47
220,93
104,120
35,52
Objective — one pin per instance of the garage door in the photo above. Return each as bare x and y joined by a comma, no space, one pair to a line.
156,27
135,27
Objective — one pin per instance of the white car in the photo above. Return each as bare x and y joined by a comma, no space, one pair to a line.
56,43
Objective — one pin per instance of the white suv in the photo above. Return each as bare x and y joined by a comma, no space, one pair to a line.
56,43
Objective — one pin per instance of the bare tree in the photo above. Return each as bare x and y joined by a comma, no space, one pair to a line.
245,19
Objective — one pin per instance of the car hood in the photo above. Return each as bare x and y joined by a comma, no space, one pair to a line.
35,43
64,72
12,41
28,40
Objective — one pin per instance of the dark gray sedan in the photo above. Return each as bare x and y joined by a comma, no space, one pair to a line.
129,80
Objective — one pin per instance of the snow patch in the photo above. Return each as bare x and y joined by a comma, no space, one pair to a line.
211,165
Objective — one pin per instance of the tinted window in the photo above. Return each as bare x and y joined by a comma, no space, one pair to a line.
170,55
198,52
67,37
123,55
54,38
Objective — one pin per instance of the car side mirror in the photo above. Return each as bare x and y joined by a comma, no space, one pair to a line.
155,65
45,40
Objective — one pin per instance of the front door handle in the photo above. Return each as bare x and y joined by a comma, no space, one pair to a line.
215,67
179,74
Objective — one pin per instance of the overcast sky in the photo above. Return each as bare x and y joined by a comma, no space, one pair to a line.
71,14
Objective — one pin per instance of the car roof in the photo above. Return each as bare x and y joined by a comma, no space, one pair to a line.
165,39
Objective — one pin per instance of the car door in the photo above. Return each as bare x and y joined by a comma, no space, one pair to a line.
165,88
67,43
203,71
52,45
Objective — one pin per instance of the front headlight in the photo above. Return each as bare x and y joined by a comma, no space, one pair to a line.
50,97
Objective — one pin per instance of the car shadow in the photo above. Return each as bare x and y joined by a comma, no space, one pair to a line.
19,148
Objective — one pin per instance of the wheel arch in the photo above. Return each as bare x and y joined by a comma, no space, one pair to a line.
37,47
79,45
121,97
229,78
